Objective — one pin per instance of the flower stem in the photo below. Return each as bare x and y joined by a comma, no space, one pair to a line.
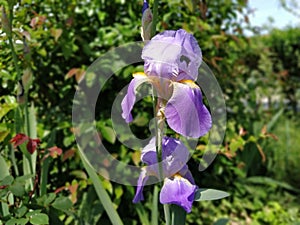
154,18
159,132
167,214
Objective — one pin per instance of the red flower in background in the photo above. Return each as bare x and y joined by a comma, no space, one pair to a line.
21,138
32,145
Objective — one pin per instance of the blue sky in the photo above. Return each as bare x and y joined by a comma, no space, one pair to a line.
271,8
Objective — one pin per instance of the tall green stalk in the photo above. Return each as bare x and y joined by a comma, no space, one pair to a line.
155,17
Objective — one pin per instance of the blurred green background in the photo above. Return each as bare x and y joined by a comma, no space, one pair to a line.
258,163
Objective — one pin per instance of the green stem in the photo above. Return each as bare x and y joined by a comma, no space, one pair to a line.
154,18
13,160
167,214
159,131
178,215
154,215
11,44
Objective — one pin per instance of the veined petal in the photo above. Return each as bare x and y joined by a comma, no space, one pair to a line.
185,112
140,187
174,55
178,190
129,99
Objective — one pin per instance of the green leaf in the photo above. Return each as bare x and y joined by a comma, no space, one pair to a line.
39,218
142,213
50,198
204,194
102,194
24,178
108,134
6,107
20,212
4,172
14,221
17,189
222,221
8,180
62,203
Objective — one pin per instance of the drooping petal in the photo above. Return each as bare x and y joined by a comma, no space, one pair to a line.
140,187
129,99
174,55
178,190
185,112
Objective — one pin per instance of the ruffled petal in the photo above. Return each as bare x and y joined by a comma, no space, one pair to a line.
179,191
174,55
140,187
185,112
129,99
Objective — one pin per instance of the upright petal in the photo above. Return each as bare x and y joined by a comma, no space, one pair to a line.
178,190
140,187
148,155
174,155
129,99
174,55
185,112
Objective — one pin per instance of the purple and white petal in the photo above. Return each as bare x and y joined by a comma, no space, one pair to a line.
185,112
148,155
140,186
174,155
174,55
178,190
129,99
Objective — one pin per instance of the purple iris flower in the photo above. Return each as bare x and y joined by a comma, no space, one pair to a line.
172,60
179,187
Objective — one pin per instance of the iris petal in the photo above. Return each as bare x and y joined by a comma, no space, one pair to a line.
140,187
185,112
148,155
174,55
179,191
174,155
129,99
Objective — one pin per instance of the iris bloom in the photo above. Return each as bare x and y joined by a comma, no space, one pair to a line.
172,59
179,187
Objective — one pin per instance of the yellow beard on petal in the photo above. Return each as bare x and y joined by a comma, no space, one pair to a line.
139,74
190,83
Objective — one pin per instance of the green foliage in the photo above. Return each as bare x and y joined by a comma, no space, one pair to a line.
54,43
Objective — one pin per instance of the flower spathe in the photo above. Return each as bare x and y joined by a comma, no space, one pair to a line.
179,187
172,59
